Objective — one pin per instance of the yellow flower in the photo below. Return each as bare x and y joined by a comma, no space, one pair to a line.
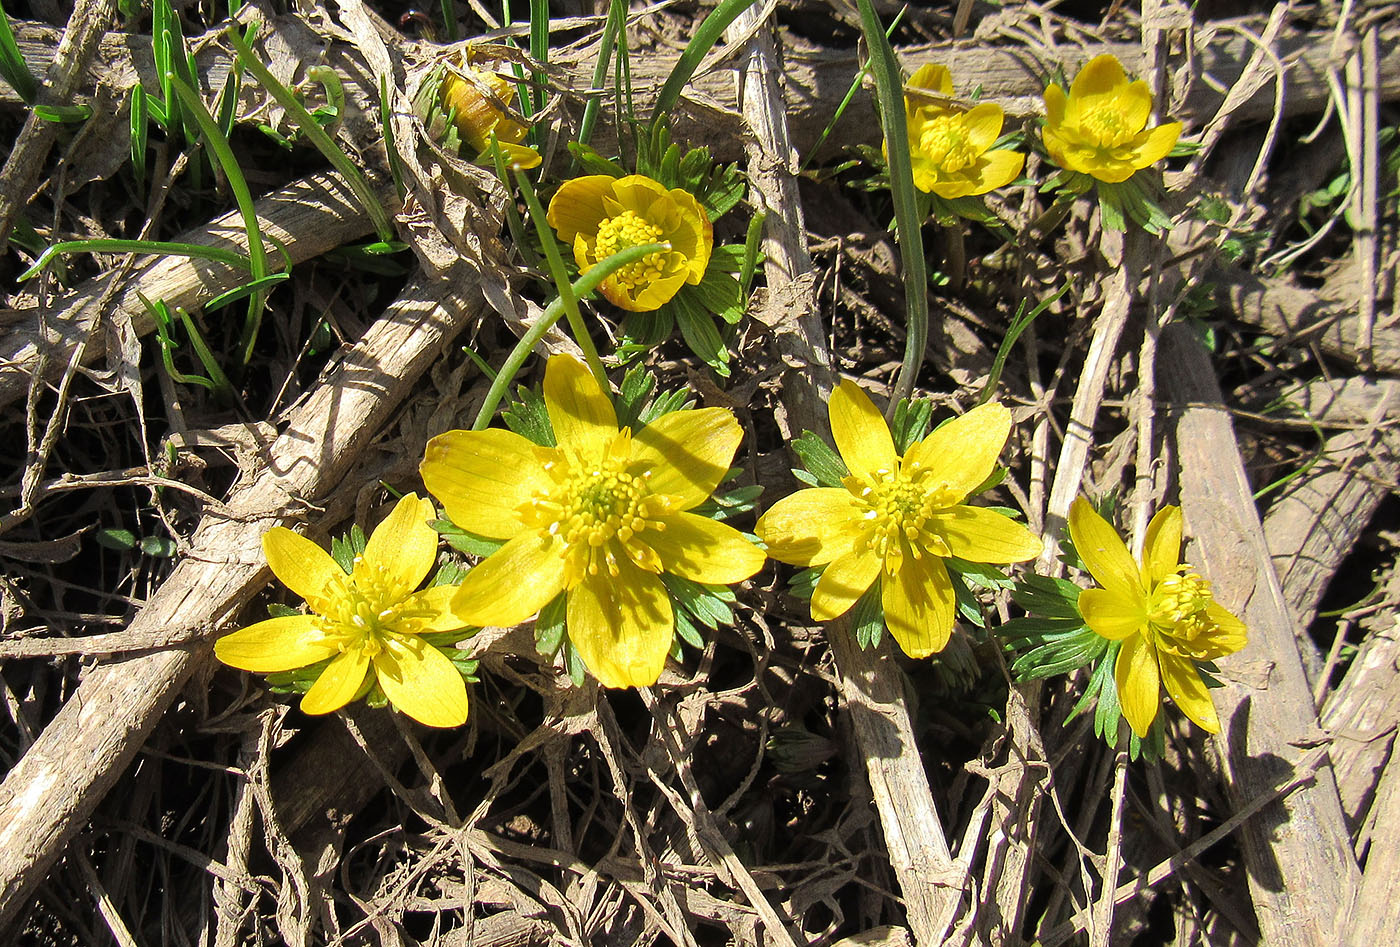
369,621
600,215
948,144
1162,612
1101,129
479,99
897,518
599,518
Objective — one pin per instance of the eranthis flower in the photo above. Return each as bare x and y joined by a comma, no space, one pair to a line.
479,99
599,518
1101,128
1161,611
948,144
897,518
370,621
598,215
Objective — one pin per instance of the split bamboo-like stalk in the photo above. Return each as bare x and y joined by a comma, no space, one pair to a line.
82,752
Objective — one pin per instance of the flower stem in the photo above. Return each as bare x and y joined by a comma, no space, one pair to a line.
582,286
561,280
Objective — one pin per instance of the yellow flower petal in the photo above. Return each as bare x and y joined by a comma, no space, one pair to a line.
983,125
403,545
862,437
278,644
644,297
482,477
979,535
515,156
694,239
621,626
637,192
438,601
932,77
701,550
1161,551
998,169
300,564
919,604
1054,106
1230,635
338,683
811,527
1104,554
1184,684
1139,690
1112,616
577,207
962,453
1103,75
1134,103
419,680
1056,144
512,583
582,414
686,453
1160,141
843,583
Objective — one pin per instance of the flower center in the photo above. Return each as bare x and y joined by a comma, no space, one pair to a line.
1176,609
629,229
944,142
359,612
898,506
1107,126
598,508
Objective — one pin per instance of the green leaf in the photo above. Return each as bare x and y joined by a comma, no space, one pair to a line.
594,163
708,604
706,35
528,416
804,583
719,293
911,421
464,541
63,114
158,547
868,617
112,538
820,460
278,610
687,632
549,627
1047,597
698,329
344,549
13,68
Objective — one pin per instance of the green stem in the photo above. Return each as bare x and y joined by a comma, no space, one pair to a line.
581,287
153,247
561,279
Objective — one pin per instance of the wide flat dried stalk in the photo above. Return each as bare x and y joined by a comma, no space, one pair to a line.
82,752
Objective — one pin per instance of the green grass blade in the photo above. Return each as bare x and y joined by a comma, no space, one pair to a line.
850,95
193,106
612,31
196,251
222,387
539,49
580,288
13,68
889,86
314,133
140,128
1018,325
705,38
449,20
386,123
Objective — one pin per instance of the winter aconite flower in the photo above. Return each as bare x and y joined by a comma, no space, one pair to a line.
599,518
949,144
1101,128
477,101
897,518
1160,610
599,215
369,621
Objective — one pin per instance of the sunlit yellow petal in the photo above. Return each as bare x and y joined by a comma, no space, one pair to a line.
701,550
621,626
404,546
695,238
919,604
1183,682
437,602
637,192
512,583
1101,76
300,564
1139,690
998,169
419,680
686,453
862,437
962,453
582,414
1054,106
338,683
1160,141
1111,615
843,582
577,206
979,535
1103,552
278,644
1134,103
482,477
1229,636
983,125
932,77
647,297
1056,144
515,156
811,527
1161,550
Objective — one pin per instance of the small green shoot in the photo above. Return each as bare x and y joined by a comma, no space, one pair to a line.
13,68
1018,325
613,30
196,251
